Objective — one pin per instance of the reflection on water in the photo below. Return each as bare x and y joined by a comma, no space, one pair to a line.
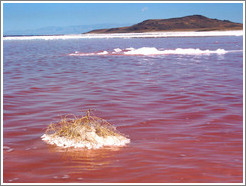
83,159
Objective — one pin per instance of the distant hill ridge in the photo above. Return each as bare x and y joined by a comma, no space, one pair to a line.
187,23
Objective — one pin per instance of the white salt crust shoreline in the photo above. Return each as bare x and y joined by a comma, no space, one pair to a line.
131,35
95,141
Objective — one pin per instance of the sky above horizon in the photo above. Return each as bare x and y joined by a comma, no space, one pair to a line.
22,16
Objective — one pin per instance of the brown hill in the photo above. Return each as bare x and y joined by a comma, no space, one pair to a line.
187,23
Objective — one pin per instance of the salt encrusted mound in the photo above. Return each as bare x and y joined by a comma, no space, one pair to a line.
85,132
94,141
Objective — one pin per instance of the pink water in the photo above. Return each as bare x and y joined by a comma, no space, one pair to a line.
183,113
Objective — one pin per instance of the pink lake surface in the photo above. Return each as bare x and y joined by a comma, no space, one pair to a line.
183,113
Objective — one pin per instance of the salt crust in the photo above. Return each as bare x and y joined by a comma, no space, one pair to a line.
155,51
93,141
131,35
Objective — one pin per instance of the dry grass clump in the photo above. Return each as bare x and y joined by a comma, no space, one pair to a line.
87,130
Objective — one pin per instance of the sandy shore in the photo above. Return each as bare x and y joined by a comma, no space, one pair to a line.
131,35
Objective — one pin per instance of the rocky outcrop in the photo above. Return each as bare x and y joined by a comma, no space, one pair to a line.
187,23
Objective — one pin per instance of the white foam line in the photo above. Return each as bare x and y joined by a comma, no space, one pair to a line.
130,35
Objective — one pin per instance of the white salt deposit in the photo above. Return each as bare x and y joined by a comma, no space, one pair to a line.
117,50
103,53
184,51
131,35
154,51
92,141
